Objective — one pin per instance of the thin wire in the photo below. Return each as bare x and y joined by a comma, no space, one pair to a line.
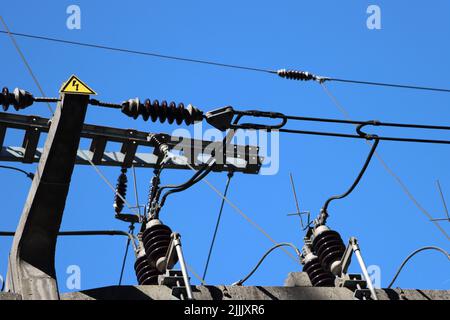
218,64
387,168
279,245
393,85
195,274
145,53
131,230
356,181
239,211
443,199
136,190
28,174
27,65
230,175
102,176
412,255
296,199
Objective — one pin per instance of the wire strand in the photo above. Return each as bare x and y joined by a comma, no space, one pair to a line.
218,64
240,212
412,255
282,244
127,247
28,174
356,181
27,65
387,168
145,53
102,176
392,85
230,175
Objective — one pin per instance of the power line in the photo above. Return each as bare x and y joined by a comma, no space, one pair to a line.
392,85
28,174
288,74
144,53
279,245
124,261
240,212
27,65
356,181
412,255
230,175
397,178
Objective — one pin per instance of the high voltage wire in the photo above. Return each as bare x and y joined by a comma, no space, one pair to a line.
24,60
397,178
290,74
145,53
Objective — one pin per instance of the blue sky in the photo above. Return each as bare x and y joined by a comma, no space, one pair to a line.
325,37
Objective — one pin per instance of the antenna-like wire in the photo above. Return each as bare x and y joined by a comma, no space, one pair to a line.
296,199
230,175
443,202
27,65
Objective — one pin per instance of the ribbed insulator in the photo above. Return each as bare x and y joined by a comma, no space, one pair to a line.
156,239
19,98
145,274
318,276
121,188
296,75
164,111
329,247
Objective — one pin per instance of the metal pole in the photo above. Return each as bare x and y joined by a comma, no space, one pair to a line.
177,245
357,252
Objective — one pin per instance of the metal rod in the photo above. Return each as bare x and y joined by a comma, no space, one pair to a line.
177,245
357,252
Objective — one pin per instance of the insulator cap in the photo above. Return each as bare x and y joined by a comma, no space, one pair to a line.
164,111
20,99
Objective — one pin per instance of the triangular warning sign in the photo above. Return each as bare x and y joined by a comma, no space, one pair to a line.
76,86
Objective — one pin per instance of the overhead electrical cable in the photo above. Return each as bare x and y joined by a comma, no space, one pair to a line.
387,168
227,185
27,65
29,175
288,74
412,255
279,245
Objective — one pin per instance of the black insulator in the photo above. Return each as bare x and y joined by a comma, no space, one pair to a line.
164,111
296,75
156,239
318,276
121,189
328,246
20,99
145,274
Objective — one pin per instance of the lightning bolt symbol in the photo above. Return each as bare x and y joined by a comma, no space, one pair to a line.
75,84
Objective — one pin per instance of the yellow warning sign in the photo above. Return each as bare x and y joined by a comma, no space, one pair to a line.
76,86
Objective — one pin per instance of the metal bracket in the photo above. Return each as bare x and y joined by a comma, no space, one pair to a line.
237,158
